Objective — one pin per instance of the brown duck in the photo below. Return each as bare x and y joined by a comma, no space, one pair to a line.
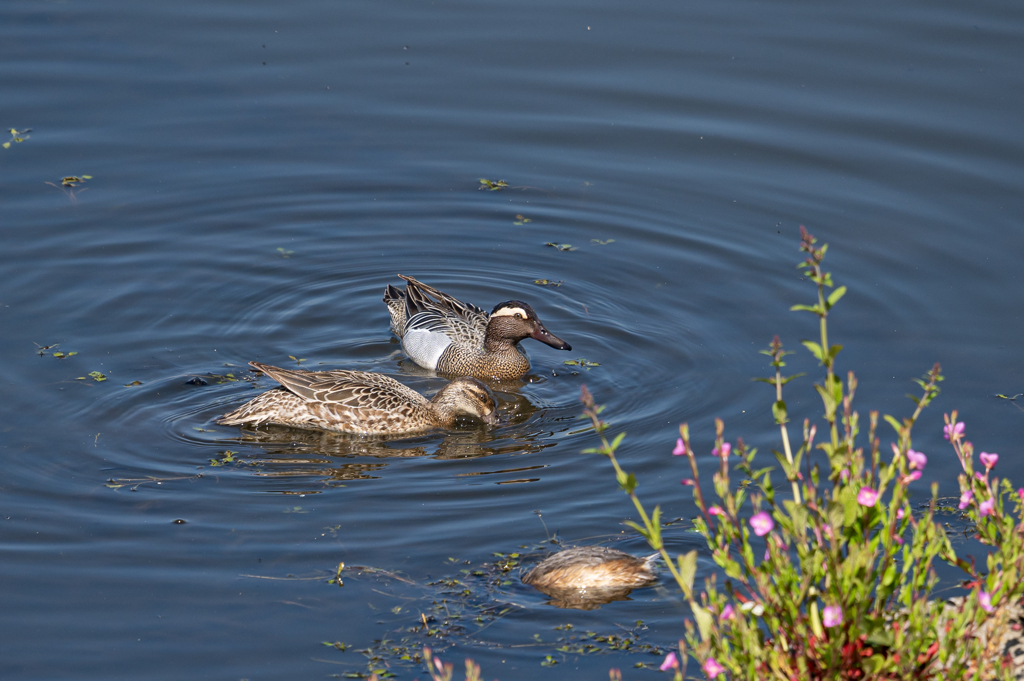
592,566
359,402
442,333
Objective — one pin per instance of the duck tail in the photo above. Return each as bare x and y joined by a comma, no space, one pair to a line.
394,298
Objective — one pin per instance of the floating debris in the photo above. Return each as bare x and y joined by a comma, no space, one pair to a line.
561,247
17,136
94,375
520,220
602,243
219,379
43,348
284,253
455,609
74,180
548,282
133,383
226,457
117,483
492,186
296,359
581,362
62,355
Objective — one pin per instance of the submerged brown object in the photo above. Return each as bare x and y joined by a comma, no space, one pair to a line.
587,577
359,402
442,333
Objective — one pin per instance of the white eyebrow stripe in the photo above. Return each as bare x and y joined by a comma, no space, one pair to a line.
510,312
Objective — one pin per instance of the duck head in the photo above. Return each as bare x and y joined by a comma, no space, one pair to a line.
514,320
466,396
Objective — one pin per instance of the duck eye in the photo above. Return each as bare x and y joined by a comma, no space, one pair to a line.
518,316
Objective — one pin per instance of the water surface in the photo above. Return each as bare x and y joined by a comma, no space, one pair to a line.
259,173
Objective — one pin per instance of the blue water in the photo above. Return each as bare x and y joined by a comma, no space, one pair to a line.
259,173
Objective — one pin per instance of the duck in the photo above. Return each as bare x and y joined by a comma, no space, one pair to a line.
360,402
444,334
584,567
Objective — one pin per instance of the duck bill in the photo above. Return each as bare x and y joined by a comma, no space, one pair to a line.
490,419
548,338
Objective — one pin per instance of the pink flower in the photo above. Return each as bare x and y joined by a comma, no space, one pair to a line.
898,540
844,475
712,668
965,499
1020,493
723,452
687,482
986,507
767,553
985,600
670,662
917,459
953,429
911,477
437,663
988,459
867,497
832,615
899,514
727,612
680,448
716,510
978,475
762,524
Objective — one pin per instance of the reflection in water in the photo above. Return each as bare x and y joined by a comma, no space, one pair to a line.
584,598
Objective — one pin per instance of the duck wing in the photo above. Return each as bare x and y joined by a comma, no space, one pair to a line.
432,311
347,389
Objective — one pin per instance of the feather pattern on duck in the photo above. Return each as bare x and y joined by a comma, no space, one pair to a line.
359,402
442,333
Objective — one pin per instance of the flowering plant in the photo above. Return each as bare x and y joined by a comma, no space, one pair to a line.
844,587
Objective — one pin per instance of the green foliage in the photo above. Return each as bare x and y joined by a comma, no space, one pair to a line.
494,186
844,588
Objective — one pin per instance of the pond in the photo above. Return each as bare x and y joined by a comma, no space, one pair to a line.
251,177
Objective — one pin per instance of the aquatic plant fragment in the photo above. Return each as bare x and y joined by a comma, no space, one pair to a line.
492,186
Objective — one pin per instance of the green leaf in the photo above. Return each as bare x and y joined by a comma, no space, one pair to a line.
894,423
834,298
629,485
687,572
639,528
816,627
779,412
617,440
808,308
815,349
704,620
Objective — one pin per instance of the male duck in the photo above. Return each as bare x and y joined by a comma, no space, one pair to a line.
359,402
441,333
